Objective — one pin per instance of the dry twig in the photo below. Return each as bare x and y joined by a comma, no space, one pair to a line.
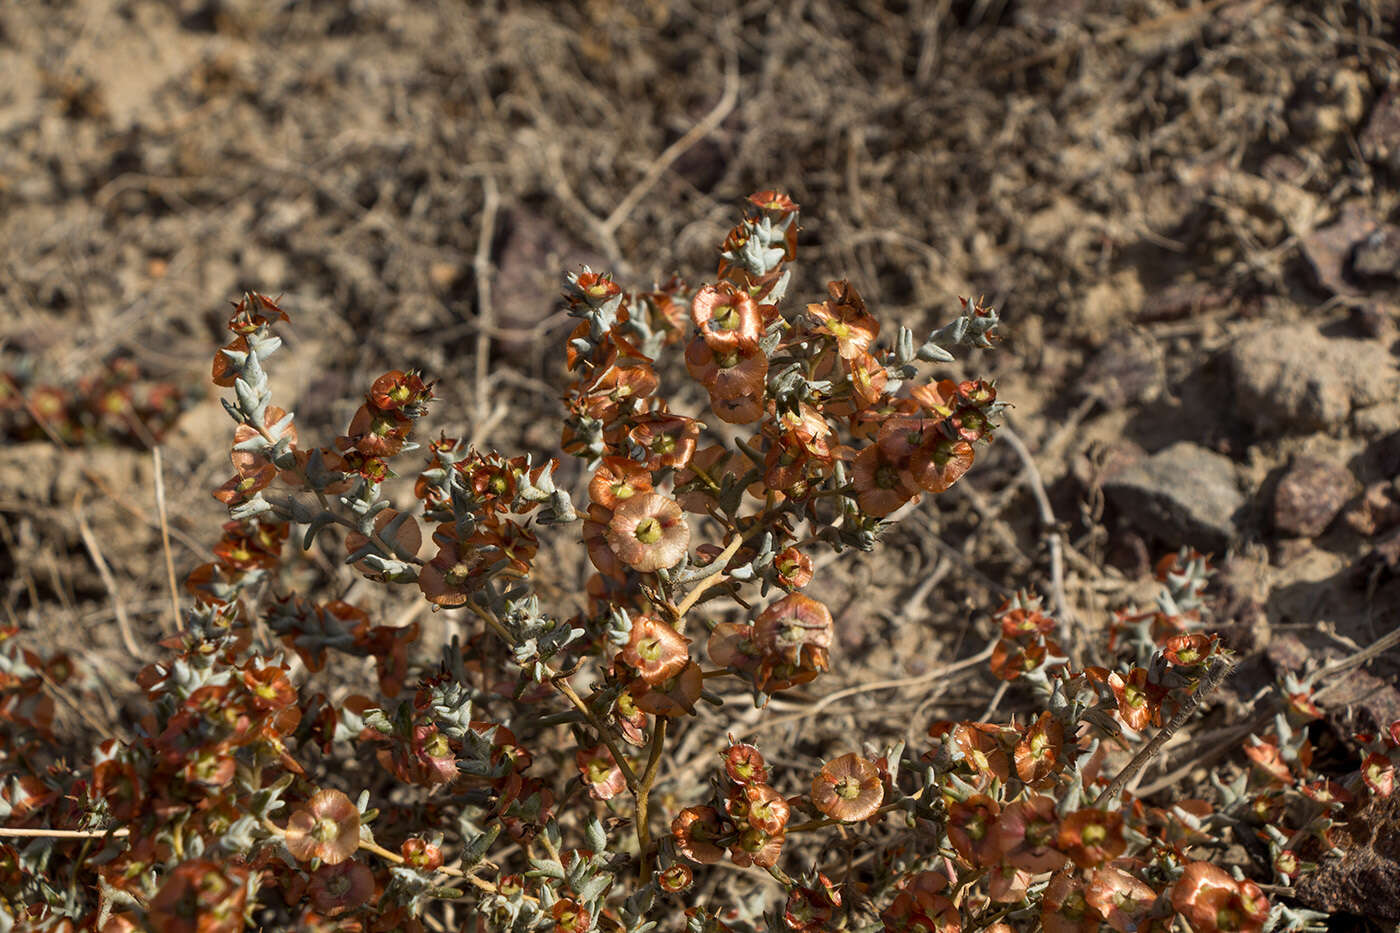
100,562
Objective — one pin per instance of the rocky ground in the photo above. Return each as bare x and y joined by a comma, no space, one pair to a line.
1184,213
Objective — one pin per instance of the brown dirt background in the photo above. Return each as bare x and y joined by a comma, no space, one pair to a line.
1142,187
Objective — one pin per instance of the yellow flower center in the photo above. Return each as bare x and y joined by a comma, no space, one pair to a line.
325,830
649,531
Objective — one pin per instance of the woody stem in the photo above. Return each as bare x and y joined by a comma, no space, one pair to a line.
643,794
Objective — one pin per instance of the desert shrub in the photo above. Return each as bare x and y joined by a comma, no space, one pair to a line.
506,782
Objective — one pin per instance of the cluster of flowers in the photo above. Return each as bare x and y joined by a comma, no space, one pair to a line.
1028,810
234,800
116,405
750,822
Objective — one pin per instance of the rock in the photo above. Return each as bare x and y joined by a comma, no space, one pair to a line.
1310,495
1182,300
1374,320
1378,256
1328,250
532,251
1329,104
1380,140
1368,866
1130,370
1184,494
1375,420
1294,379
1376,511
1106,307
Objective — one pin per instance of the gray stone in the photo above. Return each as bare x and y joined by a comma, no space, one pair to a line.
1130,370
1380,140
1309,495
1290,379
1378,256
1184,494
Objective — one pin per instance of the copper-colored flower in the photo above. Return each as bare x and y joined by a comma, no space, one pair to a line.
619,388
744,764
1120,898
901,437
630,721
1026,833
983,746
397,389
666,440
726,315
809,909
618,479
731,644
200,896
756,847
1013,657
844,319
454,573
922,907
376,432
1135,700
695,830
868,379
879,483
1378,773
570,916
595,540
791,624
254,310
250,545
792,637
600,772
326,828
269,687
766,809
727,371
671,698
1267,758
1063,908
1328,793
421,854
1214,902
807,429
655,650
940,463
971,829
1092,837
1007,884
848,789
1038,753
1189,650
793,568
224,372
243,487
743,409
334,889
676,879
771,200
211,768
648,532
